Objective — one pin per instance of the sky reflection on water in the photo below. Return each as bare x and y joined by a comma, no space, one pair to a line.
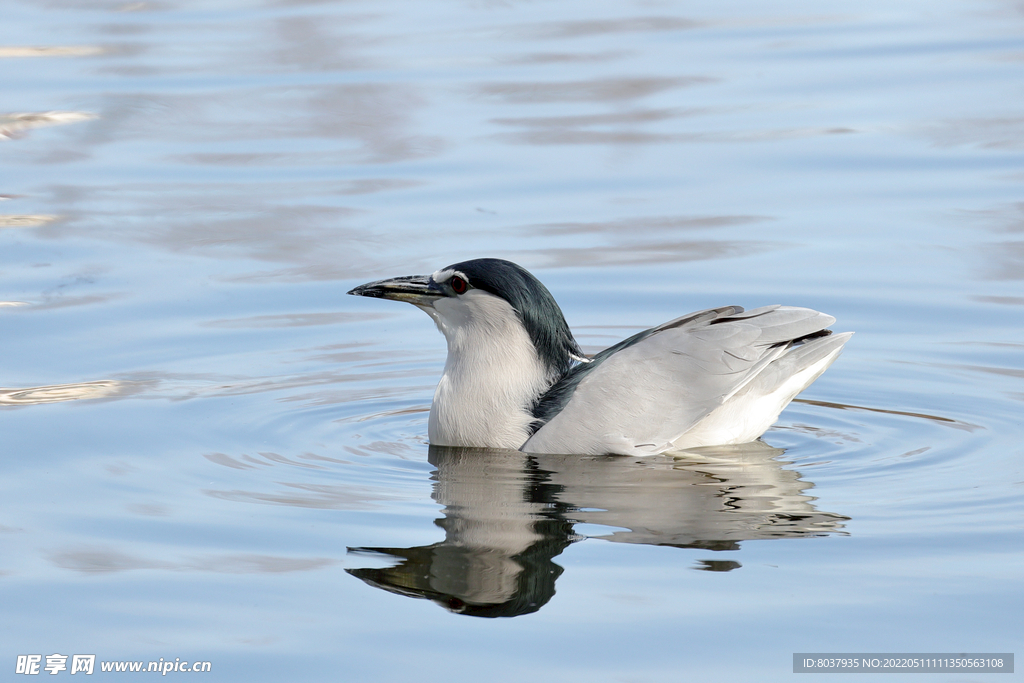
198,423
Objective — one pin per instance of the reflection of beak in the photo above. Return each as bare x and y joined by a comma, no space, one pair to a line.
419,290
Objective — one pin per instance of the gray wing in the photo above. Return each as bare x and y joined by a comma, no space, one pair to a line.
641,396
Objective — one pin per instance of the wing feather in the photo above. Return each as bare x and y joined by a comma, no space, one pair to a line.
641,395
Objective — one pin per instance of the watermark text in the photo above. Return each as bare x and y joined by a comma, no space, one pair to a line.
33,665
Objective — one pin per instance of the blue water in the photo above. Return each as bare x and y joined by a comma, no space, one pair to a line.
209,452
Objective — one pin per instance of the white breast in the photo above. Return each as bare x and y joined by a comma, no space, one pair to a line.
492,376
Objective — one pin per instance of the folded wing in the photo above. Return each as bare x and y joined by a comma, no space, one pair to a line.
716,377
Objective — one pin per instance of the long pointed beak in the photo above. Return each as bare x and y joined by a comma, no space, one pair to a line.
414,289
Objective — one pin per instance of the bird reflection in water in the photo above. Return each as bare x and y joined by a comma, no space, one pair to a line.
508,514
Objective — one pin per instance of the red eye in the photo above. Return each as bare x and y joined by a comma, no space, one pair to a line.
459,285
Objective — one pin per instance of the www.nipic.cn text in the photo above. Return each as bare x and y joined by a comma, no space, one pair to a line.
54,664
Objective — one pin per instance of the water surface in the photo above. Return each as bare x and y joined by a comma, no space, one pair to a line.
211,453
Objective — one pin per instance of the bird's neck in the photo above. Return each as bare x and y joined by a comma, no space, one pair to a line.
492,379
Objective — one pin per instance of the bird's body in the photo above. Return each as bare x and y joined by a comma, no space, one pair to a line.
515,377
486,341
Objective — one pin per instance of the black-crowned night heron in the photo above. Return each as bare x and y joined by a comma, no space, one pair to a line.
516,378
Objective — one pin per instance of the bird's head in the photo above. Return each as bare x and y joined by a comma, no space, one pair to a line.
482,297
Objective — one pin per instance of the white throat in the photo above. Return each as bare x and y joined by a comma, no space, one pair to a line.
492,375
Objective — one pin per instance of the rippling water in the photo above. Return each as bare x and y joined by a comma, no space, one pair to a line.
210,453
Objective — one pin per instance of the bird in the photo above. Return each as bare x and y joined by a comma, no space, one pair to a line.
515,377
